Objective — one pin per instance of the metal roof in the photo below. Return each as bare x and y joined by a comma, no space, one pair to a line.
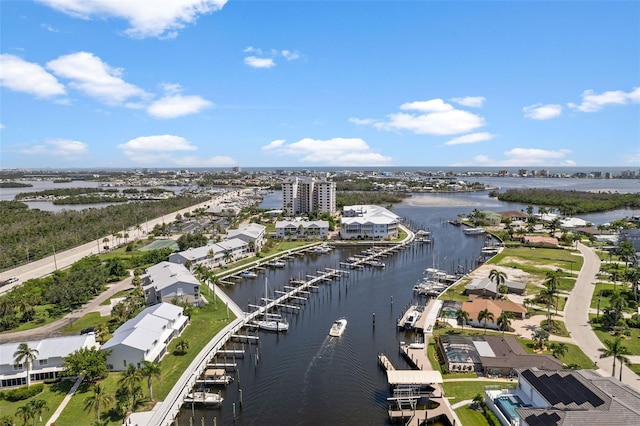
413,377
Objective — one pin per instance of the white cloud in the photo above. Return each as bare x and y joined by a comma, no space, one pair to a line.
49,28
470,101
542,112
471,138
90,75
432,105
1,126
173,106
334,152
524,157
21,76
160,18
289,55
58,147
361,121
256,62
592,102
433,117
157,143
161,150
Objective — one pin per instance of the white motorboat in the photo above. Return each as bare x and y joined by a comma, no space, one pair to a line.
204,397
375,263
273,322
473,231
277,264
411,320
338,327
248,274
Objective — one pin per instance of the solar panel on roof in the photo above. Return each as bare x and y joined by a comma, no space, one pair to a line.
566,390
544,419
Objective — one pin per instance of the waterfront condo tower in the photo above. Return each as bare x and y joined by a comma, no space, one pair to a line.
304,195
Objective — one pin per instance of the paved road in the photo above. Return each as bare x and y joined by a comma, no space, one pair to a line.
576,315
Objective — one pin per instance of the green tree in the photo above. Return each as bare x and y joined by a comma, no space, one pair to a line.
151,370
558,350
615,348
627,252
462,317
182,346
97,400
541,336
38,407
25,412
131,378
25,355
498,277
90,363
504,321
484,316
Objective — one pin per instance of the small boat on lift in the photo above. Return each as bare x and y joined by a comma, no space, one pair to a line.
338,327
204,397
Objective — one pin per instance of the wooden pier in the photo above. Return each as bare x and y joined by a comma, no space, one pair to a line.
385,363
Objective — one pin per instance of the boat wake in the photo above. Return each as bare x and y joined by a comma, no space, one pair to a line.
316,371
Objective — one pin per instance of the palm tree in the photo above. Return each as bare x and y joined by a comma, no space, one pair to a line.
558,350
541,336
130,379
504,321
26,412
227,256
462,317
550,294
182,346
484,316
151,370
97,400
617,350
38,406
25,355
497,277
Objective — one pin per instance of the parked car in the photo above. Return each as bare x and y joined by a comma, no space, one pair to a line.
88,330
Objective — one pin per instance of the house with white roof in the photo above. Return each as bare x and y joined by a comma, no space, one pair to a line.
213,254
47,365
166,280
368,222
293,229
249,232
145,337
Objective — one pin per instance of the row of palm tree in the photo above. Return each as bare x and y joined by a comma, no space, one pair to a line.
503,321
32,410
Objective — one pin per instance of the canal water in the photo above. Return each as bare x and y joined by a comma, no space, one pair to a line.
303,377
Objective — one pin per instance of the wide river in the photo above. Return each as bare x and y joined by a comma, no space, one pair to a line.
303,377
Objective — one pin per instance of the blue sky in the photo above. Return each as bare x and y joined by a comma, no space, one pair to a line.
215,83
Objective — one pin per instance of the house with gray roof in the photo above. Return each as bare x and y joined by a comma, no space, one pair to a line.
213,254
145,337
167,281
564,397
251,233
368,222
487,288
292,229
47,365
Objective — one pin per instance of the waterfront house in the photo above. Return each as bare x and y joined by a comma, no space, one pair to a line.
495,306
167,281
213,254
145,337
47,365
293,229
564,397
485,287
253,233
368,222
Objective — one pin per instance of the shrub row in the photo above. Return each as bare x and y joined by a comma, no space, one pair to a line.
20,394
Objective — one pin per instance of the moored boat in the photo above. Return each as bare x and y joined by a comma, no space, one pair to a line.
473,231
204,397
338,327
248,274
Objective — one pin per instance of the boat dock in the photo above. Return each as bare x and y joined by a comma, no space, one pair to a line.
385,363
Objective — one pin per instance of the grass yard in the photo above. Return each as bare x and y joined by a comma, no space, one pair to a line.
528,259
467,389
53,394
574,355
469,416
92,319
632,343
205,323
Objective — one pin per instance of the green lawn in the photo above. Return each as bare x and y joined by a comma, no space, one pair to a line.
92,319
574,355
469,416
121,293
467,389
527,260
53,394
632,343
205,323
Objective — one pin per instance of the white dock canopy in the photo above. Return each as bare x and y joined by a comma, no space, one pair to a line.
413,377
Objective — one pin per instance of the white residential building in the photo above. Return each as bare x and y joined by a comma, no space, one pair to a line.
48,364
304,195
292,229
213,254
166,280
368,222
249,232
145,337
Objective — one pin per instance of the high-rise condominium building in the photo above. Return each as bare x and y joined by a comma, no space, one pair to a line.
304,195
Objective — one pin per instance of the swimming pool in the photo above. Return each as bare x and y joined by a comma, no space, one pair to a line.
507,405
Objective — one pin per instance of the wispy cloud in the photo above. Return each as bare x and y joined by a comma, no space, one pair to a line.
471,138
58,147
542,112
174,105
592,102
523,157
260,58
164,150
93,77
161,18
470,101
49,28
334,152
431,117
255,62
21,76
